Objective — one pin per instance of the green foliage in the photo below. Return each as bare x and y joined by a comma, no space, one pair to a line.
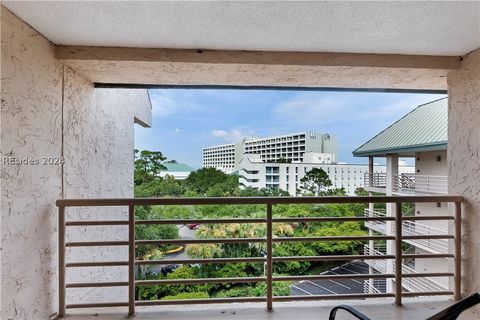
236,292
188,295
166,187
315,182
213,181
281,288
151,232
148,165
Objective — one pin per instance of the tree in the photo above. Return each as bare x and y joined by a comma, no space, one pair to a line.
148,165
315,181
204,179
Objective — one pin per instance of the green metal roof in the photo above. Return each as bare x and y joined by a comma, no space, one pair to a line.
422,129
178,167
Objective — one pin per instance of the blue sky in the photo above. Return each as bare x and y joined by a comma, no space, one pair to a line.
187,120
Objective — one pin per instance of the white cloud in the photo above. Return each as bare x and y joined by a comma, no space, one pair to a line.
308,109
177,130
402,163
166,103
232,135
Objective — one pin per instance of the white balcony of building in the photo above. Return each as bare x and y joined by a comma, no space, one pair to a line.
410,228
409,183
377,250
413,228
410,284
73,90
376,225
375,181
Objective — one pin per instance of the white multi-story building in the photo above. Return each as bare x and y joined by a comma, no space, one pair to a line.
421,135
221,157
288,148
256,173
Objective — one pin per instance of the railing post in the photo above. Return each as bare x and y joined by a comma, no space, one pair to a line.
61,261
398,254
269,258
131,260
458,252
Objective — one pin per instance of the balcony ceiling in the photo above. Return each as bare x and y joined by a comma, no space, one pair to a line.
415,28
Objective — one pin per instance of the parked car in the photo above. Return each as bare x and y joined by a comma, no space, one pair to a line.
193,226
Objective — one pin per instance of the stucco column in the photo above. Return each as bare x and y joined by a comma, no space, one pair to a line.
392,170
464,160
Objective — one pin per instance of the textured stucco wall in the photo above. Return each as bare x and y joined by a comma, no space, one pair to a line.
48,110
464,159
31,127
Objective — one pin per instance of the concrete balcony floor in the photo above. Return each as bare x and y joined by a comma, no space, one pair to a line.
376,309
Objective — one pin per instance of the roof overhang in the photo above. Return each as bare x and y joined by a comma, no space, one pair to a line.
406,151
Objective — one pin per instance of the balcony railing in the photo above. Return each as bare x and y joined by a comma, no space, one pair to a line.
418,284
410,183
378,264
412,284
269,240
416,228
379,226
410,228
375,181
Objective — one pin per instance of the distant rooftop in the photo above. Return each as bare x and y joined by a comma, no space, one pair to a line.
178,167
422,129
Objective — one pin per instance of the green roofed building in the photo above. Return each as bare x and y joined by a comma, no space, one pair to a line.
420,135
423,129
179,171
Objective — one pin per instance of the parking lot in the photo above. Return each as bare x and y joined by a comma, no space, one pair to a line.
340,286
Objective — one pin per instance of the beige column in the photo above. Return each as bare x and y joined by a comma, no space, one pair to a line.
392,170
464,160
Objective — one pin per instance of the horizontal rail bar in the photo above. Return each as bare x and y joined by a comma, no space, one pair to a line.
427,255
96,243
254,200
198,301
201,241
332,258
334,277
333,238
200,221
97,284
96,223
332,219
200,261
427,293
200,281
412,218
334,296
97,264
96,305
428,274
428,236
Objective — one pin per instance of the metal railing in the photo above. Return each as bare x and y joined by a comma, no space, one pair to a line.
269,240
410,228
378,264
418,284
379,226
411,183
377,180
416,228
412,284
